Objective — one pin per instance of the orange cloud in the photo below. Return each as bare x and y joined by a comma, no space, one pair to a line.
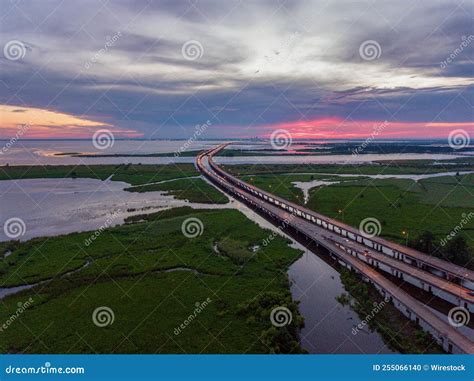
338,128
43,124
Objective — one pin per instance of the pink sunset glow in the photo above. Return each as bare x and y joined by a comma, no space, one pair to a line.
338,128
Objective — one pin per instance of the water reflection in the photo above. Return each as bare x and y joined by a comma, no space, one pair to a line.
328,324
51,207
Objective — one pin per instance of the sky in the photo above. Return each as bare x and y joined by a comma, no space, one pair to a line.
158,69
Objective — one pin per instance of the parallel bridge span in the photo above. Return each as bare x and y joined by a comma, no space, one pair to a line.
438,267
453,289
354,254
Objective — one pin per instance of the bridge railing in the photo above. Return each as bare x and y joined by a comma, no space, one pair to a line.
435,266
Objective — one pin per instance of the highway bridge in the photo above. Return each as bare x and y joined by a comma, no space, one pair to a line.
370,257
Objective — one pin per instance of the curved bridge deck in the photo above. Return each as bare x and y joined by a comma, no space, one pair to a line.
352,254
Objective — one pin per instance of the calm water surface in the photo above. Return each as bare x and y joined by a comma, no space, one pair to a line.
58,206
44,152
51,207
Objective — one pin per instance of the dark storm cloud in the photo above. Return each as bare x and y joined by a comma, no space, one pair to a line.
260,63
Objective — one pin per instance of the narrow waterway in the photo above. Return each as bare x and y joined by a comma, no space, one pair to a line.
329,326
316,285
51,207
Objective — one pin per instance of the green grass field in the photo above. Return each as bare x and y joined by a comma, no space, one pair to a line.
152,276
192,189
435,204
382,167
282,184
